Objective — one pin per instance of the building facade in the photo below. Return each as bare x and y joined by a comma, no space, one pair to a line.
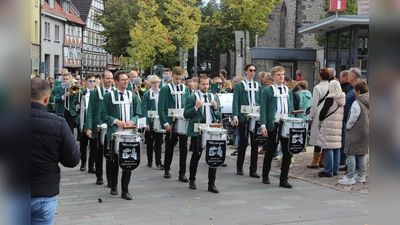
35,36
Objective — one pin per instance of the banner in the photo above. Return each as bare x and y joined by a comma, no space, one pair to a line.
257,136
297,140
129,155
215,152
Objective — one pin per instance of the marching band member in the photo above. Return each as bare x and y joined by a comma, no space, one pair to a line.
196,111
93,120
172,96
276,102
120,108
65,104
246,92
163,81
153,139
83,102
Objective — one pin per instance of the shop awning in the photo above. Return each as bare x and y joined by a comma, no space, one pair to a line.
334,23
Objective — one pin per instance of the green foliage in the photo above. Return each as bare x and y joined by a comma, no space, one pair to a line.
351,9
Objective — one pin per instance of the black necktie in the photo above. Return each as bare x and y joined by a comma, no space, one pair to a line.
106,91
122,99
251,97
177,97
282,106
205,108
280,90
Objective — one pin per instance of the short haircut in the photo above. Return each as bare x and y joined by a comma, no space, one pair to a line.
203,77
217,78
39,88
356,72
287,79
334,87
268,75
361,86
177,71
238,78
65,74
132,71
262,74
89,76
303,84
247,66
223,72
276,69
345,73
324,73
118,73
104,74
154,79
166,69
299,73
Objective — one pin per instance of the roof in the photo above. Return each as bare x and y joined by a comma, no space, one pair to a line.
83,6
334,23
57,11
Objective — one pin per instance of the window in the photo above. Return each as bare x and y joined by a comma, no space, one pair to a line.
70,54
78,53
72,31
51,3
47,30
56,64
79,32
65,6
57,33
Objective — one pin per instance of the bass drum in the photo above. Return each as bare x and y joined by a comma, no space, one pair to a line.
225,102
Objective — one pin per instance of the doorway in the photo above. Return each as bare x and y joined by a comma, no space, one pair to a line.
289,69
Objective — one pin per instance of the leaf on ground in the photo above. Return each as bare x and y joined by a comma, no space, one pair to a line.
86,217
189,207
211,218
197,198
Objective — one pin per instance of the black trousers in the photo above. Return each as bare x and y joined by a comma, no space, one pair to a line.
171,140
126,175
99,157
84,140
154,141
70,120
194,162
243,143
271,148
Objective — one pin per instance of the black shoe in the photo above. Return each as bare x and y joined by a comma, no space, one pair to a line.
254,174
192,185
224,165
234,153
114,191
126,196
160,166
83,167
99,181
343,168
167,174
149,164
183,178
285,184
239,172
323,174
91,169
213,189
266,181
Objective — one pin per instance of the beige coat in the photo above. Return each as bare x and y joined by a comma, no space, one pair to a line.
330,133
319,92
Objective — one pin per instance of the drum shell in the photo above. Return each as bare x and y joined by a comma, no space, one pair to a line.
253,119
103,130
157,125
125,136
181,125
292,123
212,134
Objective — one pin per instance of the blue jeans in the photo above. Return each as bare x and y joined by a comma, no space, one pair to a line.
43,210
332,161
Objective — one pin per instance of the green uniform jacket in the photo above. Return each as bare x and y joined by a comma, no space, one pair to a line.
196,116
94,110
167,101
111,112
50,107
240,97
268,107
59,103
148,105
77,100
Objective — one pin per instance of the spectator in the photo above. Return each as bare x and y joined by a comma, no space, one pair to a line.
261,76
305,97
357,132
292,85
332,74
330,129
299,75
222,73
52,142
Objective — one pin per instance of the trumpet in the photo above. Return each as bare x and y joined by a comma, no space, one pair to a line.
142,87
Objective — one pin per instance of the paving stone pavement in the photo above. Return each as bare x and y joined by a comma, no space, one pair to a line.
242,199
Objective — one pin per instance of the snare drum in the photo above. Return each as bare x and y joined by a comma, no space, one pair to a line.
157,125
292,123
181,124
103,129
253,119
211,133
123,138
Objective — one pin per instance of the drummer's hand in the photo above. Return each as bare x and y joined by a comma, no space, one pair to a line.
78,106
89,133
168,128
129,123
264,132
310,122
147,128
199,103
66,94
235,122
214,104
120,123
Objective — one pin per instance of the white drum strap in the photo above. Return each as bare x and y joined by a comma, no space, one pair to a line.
122,103
178,94
208,104
284,104
101,93
252,91
154,98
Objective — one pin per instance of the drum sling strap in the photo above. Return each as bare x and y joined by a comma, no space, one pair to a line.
178,97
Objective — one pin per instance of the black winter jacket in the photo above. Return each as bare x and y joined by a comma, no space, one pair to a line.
51,142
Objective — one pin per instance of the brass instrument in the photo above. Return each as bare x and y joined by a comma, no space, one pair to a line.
142,87
74,89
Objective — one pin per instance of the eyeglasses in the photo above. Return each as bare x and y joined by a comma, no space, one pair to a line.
219,83
252,70
92,81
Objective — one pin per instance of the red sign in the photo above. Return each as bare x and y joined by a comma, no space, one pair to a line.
337,5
